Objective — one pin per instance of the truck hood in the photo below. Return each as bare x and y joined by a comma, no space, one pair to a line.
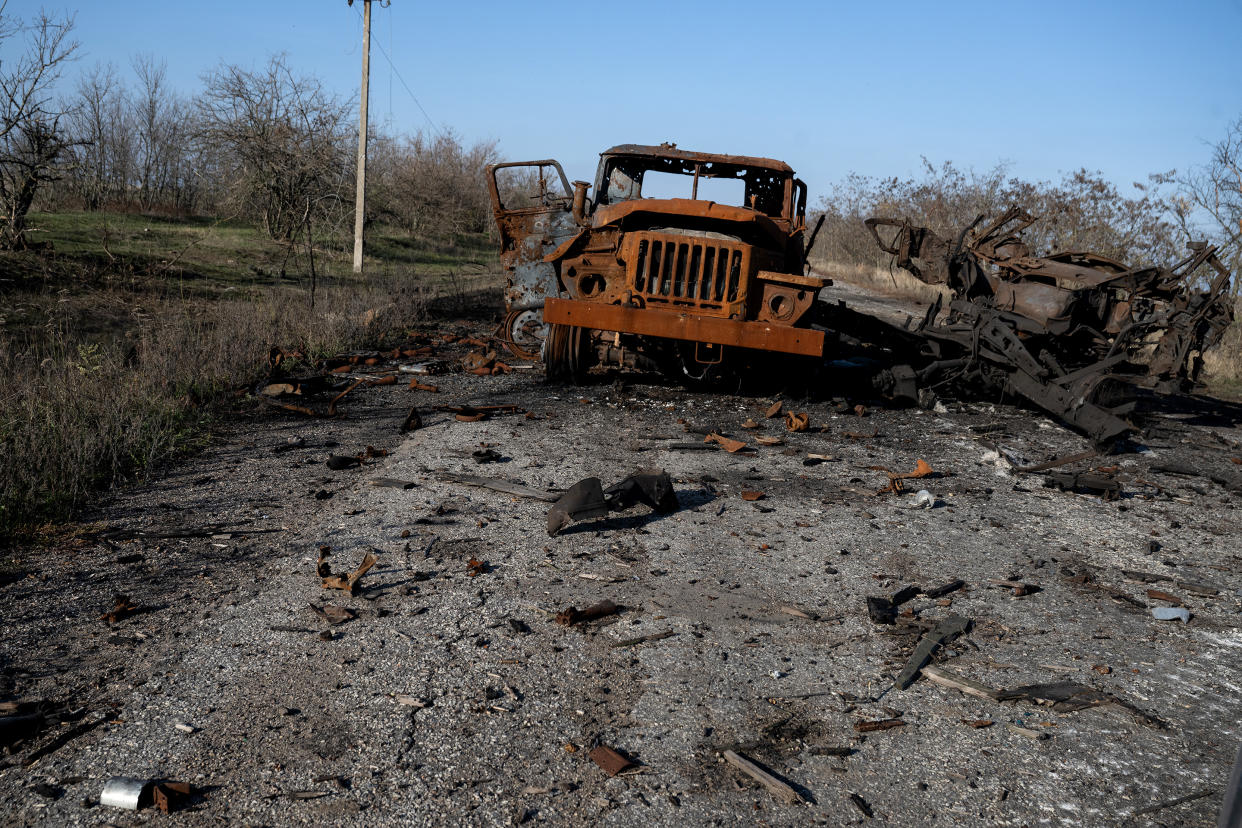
685,207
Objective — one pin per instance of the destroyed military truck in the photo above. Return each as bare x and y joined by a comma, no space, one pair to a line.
1075,333
689,262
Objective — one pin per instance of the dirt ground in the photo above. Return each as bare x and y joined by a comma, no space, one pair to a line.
454,696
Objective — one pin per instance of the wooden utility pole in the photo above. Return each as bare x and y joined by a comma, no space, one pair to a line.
360,200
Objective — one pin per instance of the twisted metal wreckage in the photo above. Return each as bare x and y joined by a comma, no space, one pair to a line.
700,288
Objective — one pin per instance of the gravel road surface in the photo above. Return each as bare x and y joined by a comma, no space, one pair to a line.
454,697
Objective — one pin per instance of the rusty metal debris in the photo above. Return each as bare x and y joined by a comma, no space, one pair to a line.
609,760
1073,333
122,608
573,615
334,615
895,479
727,443
588,499
343,581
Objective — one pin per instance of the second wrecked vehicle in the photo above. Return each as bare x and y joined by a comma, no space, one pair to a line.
685,261
1074,333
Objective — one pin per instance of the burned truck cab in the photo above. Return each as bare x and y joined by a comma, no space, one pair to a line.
678,259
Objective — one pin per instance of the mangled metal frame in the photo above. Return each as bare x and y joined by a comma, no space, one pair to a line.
1072,332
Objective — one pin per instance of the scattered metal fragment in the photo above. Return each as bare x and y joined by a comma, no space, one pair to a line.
774,410
391,483
122,608
1171,614
884,610
587,498
582,501
882,724
412,422
334,615
978,724
609,760
921,469
797,422
951,586
750,495
476,413
944,632
169,796
727,443
573,615
347,582
765,440
757,772
124,792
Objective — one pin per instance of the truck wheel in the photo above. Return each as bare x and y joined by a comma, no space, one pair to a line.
566,356
524,333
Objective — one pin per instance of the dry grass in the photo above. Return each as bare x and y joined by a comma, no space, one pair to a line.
1222,366
83,409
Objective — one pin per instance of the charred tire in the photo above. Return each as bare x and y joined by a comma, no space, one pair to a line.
567,354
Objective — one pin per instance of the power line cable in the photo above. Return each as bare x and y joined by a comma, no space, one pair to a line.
397,72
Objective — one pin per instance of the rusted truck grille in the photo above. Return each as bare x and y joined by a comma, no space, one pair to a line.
687,271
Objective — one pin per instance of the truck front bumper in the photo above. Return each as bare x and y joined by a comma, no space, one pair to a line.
759,336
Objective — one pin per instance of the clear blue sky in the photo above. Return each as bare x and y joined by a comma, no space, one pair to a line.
1125,88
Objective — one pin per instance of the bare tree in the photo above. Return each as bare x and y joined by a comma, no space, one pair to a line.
98,122
1082,211
1213,193
32,145
432,185
286,139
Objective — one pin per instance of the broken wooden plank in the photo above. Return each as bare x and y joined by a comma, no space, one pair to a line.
499,485
774,786
941,676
